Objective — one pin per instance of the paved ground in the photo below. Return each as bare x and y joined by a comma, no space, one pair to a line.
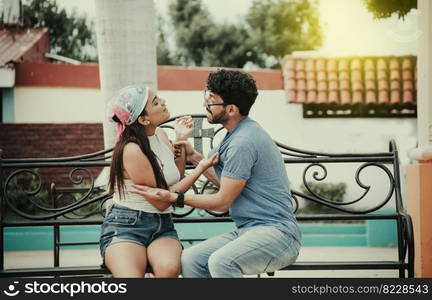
89,257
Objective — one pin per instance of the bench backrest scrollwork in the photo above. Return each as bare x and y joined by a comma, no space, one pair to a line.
33,194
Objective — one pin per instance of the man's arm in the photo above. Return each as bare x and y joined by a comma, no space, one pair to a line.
237,170
229,190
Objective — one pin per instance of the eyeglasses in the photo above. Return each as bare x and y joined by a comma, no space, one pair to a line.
207,96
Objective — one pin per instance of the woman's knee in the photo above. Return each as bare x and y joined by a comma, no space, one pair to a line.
167,268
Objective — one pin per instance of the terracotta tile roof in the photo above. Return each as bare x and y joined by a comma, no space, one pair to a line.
348,81
19,43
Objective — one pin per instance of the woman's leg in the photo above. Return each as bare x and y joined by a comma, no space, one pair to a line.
164,256
126,259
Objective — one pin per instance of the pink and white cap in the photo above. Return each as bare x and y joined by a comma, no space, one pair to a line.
127,106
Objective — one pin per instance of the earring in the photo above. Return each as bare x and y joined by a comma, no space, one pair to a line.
146,123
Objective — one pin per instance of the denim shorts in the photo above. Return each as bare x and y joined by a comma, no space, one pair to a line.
123,224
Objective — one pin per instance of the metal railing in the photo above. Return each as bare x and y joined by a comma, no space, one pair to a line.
82,202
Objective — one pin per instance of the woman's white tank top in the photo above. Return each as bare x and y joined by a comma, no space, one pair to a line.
165,158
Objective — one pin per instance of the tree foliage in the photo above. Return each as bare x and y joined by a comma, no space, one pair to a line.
382,9
280,27
335,192
192,24
270,30
69,33
202,42
164,55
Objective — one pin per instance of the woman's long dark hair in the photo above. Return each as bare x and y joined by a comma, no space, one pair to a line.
133,133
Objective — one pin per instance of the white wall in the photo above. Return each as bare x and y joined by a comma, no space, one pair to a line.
286,124
283,121
58,105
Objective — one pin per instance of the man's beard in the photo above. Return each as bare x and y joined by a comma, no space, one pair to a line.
217,119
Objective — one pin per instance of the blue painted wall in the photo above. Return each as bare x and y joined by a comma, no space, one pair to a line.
372,233
8,106
382,233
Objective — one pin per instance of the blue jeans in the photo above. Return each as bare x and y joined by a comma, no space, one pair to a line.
247,251
123,224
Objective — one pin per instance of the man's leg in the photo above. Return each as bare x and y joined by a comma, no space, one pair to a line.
256,250
194,260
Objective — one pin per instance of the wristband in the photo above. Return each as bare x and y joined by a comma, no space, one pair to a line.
180,199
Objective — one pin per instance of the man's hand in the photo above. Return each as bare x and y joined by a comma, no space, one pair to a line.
154,194
183,128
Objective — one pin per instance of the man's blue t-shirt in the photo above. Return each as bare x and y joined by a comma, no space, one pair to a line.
249,153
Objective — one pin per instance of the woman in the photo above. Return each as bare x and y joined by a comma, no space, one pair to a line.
137,231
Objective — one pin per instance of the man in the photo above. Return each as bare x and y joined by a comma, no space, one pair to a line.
253,186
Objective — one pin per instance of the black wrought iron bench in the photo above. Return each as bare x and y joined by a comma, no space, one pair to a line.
23,180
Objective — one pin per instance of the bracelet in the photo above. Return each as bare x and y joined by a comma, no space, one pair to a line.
180,200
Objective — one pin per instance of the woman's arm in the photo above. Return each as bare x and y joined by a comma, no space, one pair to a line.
179,160
210,173
185,184
183,127
194,158
140,171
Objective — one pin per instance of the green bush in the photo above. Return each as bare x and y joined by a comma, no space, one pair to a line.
17,194
334,192
20,186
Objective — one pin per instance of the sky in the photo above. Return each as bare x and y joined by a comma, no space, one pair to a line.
349,29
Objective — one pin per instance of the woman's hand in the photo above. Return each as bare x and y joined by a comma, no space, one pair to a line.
183,145
154,194
183,128
206,163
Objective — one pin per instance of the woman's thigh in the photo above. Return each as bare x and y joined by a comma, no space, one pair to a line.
164,256
126,259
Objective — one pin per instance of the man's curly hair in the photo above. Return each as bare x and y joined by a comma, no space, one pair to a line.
234,87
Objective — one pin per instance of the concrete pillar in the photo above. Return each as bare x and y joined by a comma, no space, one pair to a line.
125,31
419,190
